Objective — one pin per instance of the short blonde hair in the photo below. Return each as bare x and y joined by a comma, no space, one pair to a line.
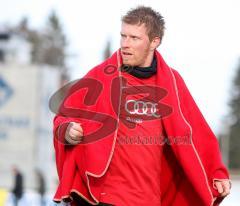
153,20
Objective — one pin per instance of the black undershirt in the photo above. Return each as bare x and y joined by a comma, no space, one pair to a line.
141,72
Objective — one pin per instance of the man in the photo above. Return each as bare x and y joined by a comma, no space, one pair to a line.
136,136
41,186
18,185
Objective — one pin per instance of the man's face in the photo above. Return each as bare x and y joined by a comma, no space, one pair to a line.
136,49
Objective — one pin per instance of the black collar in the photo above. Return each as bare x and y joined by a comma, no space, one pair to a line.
141,72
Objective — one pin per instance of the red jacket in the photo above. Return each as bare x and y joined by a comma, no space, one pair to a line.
188,170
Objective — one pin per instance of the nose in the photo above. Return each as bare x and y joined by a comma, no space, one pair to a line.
125,43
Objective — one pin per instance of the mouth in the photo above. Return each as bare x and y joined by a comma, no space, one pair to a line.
126,53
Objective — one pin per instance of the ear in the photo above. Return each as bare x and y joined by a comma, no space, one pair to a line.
155,43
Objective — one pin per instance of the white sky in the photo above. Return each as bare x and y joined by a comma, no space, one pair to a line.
202,39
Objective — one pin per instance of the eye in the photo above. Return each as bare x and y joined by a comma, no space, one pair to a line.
135,38
123,36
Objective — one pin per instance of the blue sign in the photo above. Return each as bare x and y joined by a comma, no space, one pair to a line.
5,91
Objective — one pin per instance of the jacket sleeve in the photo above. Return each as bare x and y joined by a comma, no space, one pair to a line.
204,139
68,112
60,124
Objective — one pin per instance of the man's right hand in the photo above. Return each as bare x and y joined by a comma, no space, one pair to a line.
74,133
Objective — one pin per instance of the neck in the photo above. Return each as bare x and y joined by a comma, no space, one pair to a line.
148,60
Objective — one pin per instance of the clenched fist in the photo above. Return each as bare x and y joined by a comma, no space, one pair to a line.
74,133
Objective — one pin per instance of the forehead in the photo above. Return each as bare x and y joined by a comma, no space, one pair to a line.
130,29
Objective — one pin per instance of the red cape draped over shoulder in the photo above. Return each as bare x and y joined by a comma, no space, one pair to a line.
188,170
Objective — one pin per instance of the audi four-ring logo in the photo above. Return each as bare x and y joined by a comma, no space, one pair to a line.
141,108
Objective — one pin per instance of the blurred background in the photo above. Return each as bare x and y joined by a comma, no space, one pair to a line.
45,44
